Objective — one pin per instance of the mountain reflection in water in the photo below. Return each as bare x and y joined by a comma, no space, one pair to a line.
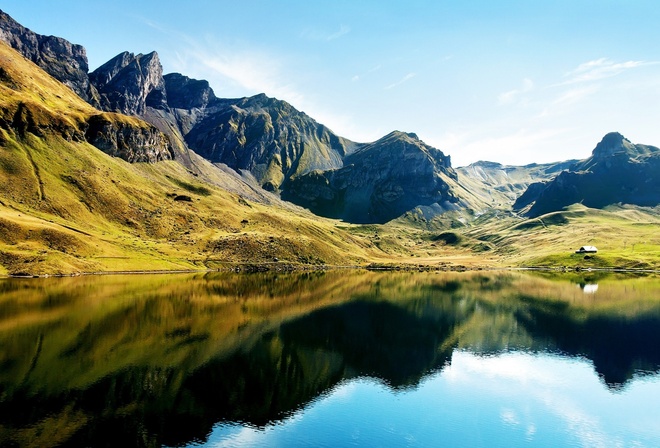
152,360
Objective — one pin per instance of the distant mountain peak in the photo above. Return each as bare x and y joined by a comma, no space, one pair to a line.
485,164
400,135
611,144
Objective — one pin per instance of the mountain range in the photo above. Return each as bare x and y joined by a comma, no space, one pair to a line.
257,148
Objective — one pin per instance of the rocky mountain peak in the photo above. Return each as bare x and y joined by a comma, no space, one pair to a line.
378,182
187,93
404,146
611,144
400,135
278,109
61,59
268,137
105,73
129,83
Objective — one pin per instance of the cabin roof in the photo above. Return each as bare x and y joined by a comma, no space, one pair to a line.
587,249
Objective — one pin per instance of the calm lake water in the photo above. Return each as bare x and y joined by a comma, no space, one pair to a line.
340,358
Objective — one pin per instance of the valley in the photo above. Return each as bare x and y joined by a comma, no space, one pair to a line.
126,169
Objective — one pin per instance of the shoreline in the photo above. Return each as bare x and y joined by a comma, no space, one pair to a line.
247,268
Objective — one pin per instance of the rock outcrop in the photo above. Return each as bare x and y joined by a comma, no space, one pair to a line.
61,59
187,93
129,83
617,172
379,182
133,142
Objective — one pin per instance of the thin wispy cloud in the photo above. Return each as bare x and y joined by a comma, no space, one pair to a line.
512,95
357,78
574,96
254,72
343,30
405,79
602,68
236,67
326,36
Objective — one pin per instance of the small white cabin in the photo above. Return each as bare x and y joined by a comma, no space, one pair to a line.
587,250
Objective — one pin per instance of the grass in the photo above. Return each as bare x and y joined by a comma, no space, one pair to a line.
626,237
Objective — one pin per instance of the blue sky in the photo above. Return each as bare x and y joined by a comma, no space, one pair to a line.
515,81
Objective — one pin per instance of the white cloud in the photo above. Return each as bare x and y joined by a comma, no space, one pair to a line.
600,69
343,30
253,71
406,78
512,95
573,96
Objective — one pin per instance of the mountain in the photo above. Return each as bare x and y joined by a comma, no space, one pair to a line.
618,171
265,140
126,168
266,136
378,182
282,148
500,185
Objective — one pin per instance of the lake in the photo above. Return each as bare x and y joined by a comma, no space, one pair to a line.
336,358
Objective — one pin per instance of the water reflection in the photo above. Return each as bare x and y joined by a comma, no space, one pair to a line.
152,360
589,288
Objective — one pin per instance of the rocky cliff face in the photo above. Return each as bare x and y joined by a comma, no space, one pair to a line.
61,59
379,182
187,93
122,138
617,172
129,83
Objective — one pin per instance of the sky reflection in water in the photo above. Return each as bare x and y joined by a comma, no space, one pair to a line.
512,399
